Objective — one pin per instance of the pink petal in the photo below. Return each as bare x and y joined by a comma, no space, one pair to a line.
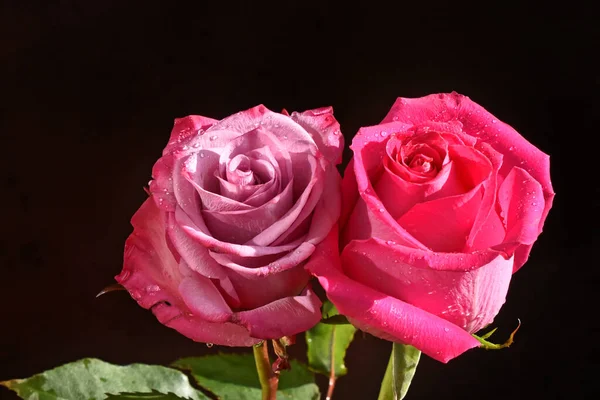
470,299
161,186
222,334
186,128
283,317
349,193
262,144
385,316
152,277
327,210
203,299
443,225
201,234
242,225
195,254
272,287
284,263
325,131
303,206
398,195
521,201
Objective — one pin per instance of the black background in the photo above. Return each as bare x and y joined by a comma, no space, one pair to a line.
89,91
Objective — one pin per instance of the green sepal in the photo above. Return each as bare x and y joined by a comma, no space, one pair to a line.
493,346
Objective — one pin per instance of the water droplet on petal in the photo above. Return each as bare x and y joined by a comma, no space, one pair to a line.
446,329
202,155
494,121
213,137
209,345
383,133
381,209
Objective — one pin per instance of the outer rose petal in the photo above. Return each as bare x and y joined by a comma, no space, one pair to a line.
325,130
283,317
186,128
385,316
522,206
470,299
152,277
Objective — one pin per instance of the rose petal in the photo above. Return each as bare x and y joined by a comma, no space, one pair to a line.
242,225
469,299
325,131
398,195
327,210
152,276
301,313
195,254
186,128
443,225
349,194
201,234
521,200
222,334
272,287
284,263
203,299
384,316
303,206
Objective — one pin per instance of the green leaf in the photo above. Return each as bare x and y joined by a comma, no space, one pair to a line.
154,395
327,344
93,379
400,372
234,377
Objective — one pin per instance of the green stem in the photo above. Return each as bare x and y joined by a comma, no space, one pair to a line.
399,373
268,380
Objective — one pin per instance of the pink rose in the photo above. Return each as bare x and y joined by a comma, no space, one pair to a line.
236,209
441,204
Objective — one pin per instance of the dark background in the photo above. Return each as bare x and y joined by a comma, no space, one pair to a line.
89,91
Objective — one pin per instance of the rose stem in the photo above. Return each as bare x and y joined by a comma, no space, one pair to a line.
331,384
268,379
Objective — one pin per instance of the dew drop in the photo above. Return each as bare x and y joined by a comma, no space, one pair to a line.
446,329
494,121
381,209
209,345
383,133
511,148
391,242
213,137
202,155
